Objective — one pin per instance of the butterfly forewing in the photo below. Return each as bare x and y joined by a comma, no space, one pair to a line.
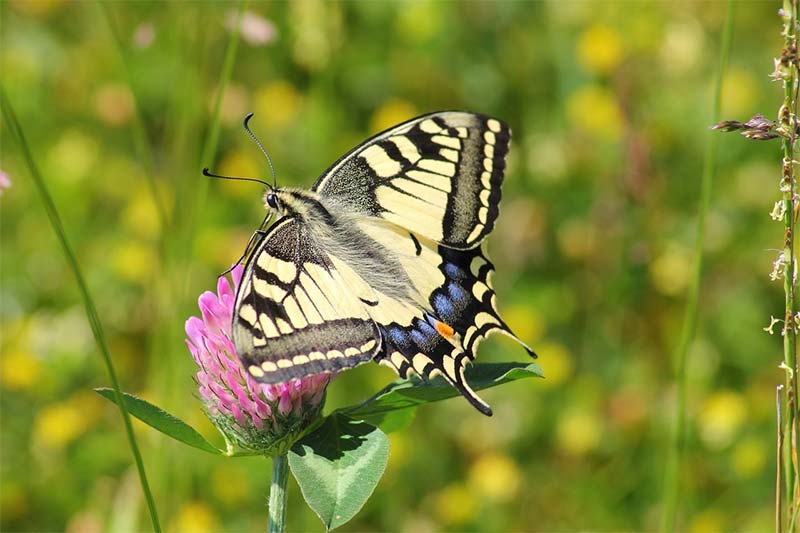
438,175
294,315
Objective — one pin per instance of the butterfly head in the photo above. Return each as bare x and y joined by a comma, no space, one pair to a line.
272,200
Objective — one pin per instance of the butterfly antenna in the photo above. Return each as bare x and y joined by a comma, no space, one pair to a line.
261,147
212,175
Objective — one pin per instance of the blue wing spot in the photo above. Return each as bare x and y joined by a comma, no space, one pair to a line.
443,307
419,338
424,336
398,337
426,328
454,272
457,292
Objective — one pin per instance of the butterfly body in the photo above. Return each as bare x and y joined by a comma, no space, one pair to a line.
382,259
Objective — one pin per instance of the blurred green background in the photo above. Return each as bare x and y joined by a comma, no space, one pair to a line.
610,105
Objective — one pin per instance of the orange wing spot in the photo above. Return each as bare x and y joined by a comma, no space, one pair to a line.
444,330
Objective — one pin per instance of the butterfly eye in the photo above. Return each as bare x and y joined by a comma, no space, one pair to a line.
272,200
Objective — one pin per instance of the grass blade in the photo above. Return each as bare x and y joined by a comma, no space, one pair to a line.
140,142
671,489
212,137
91,311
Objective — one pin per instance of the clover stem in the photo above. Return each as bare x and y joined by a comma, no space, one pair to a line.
277,494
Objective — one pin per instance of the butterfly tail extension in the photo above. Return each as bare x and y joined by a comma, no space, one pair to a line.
467,301
460,383
423,350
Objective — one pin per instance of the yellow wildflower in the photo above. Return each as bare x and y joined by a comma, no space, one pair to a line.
599,49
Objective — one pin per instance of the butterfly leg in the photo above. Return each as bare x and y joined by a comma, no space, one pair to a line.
251,244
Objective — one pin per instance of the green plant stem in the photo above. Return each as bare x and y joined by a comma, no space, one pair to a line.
671,490
140,141
277,494
787,119
778,462
91,311
212,137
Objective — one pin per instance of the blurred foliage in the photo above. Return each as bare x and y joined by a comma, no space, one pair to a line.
609,105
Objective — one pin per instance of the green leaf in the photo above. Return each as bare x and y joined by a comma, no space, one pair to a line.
161,420
413,392
391,421
338,466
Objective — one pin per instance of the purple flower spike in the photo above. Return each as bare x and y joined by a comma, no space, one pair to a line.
252,415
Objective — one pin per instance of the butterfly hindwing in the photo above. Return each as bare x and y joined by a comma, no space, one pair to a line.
294,315
438,175
454,308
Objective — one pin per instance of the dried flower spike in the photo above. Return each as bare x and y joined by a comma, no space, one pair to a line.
757,128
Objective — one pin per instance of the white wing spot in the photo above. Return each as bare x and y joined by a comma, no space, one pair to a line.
419,362
475,232
335,354
429,126
300,359
478,290
284,326
380,162
493,124
449,367
449,142
263,261
483,319
482,214
268,326
397,359
471,331
387,362
484,196
429,178
477,263
450,155
423,192
248,313
316,356
285,270
489,137
488,150
261,286
407,148
367,346
284,363
294,313
255,371
486,179
440,167
269,366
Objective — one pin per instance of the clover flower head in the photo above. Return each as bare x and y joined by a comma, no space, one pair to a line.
253,415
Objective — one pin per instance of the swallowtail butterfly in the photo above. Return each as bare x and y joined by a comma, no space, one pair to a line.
382,259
